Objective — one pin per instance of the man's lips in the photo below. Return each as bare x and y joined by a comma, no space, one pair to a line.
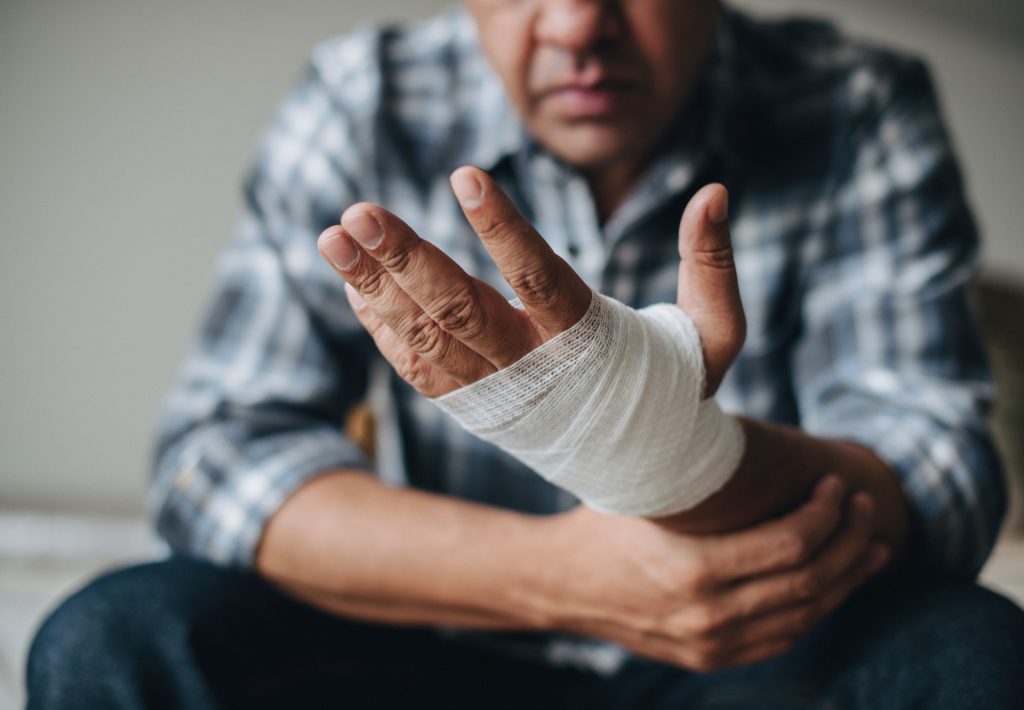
592,99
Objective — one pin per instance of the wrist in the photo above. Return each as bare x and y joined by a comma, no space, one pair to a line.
538,576
532,567
572,578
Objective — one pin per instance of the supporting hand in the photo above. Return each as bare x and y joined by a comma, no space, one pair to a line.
710,602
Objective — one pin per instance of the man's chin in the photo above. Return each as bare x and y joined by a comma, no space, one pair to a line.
593,145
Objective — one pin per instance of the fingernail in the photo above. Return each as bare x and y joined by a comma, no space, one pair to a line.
467,188
718,208
339,251
864,508
831,488
364,228
879,556
353,296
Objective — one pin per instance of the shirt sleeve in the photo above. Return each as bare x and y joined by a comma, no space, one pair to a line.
889,354
257,408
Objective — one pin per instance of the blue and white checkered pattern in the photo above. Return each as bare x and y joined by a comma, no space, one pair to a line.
853,244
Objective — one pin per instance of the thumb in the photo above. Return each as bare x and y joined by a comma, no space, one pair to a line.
708,290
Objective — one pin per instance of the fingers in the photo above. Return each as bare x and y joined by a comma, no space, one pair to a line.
714,638
777,544
696,654
410,366
452,320
708,289
794,621
809,581
550,290
756,652
466,308
764,617
403,316
798,618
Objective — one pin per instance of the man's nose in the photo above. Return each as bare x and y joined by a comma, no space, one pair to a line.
576,25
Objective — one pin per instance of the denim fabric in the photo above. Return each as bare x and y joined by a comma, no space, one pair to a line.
187,634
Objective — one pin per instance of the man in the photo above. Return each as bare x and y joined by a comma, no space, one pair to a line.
821,165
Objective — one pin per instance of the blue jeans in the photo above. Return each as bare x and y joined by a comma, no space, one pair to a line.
185,634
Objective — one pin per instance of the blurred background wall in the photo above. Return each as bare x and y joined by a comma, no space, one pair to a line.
125,127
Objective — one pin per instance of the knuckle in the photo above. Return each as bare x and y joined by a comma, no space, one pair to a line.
697,574
425,337
412,369
794,548
460,314
676,626
537,285
398,257
491,228
371,284
719,258
707,620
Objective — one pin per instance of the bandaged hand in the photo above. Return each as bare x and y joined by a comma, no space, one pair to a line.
659,448
611,410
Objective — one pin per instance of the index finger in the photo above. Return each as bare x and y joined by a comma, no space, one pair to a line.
780,543
548,287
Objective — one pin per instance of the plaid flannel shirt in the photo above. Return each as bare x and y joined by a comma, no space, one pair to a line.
853,245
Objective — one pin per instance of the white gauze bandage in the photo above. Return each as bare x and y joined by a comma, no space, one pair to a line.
611,410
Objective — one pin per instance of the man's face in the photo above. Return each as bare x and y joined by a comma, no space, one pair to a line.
598,82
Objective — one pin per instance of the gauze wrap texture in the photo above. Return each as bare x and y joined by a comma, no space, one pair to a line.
611,410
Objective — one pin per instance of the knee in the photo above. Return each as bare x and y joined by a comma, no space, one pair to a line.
935,626
78,634
92,645
980,623
975,631
88,637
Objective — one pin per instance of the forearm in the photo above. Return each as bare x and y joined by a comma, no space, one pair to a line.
351,545
779,469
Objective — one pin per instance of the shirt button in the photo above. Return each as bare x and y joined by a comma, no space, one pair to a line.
184,478
187,471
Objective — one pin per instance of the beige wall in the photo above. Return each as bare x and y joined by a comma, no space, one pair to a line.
125,127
